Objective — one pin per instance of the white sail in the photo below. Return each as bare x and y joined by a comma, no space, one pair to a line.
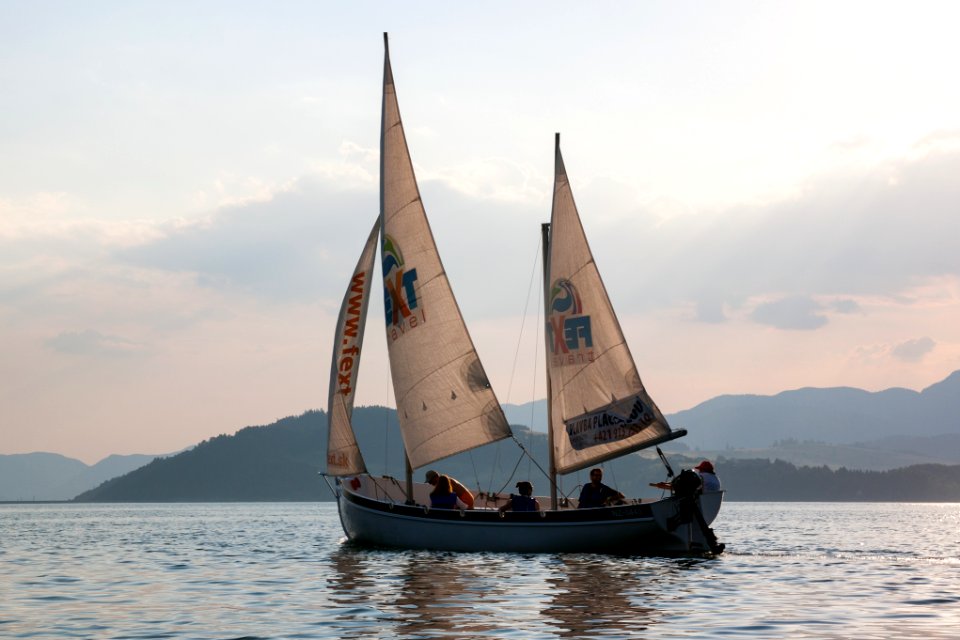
444,402
343,454
599,408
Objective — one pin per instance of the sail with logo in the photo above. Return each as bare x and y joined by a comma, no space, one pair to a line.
598,407
444,402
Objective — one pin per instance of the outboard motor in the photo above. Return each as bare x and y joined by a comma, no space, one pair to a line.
687,487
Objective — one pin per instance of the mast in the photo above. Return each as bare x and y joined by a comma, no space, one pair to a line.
408,477
545,232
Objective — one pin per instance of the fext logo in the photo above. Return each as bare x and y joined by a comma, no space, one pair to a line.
404,311
569,330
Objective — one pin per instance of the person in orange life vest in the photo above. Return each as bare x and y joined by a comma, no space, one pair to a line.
442,496
461,491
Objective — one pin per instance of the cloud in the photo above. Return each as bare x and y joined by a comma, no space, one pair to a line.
301,244
90,342
710,311
796,312
846,306
913,350
844,236
291,246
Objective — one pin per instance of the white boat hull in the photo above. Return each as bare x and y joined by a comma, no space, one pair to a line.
370,515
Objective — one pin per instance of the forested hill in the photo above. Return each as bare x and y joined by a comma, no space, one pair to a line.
269,463
280,462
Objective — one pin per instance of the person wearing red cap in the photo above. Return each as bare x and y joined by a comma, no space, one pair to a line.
710,480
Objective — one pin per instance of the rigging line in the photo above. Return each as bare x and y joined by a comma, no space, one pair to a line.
523,319
536,362
495,465
530,455
476,474
613,474
386,424
516,358
511,476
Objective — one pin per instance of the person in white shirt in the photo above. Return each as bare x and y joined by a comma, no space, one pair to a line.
710,480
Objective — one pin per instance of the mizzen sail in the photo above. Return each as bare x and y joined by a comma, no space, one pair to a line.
343,454
444,402
599,407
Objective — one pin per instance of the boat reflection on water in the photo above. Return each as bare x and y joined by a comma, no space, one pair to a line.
411,593
357,599
406,593
442,595
594,596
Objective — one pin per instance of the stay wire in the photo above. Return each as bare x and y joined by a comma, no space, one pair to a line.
516,358
523,320
536,364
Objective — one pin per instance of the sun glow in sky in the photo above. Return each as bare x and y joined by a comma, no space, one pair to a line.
769,188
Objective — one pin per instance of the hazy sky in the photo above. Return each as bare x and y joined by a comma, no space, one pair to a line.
770,189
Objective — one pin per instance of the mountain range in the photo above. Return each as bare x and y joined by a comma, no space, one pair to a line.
280,461
834,427
51,476
834,416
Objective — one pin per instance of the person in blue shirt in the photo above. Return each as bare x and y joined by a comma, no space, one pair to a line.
442,496
597,494
524,501
458,487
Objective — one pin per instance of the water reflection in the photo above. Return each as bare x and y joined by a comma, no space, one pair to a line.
358,600
441,592
599,595
410,593
418,593
790,570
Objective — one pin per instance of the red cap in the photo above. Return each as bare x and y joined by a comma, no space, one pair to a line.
706,465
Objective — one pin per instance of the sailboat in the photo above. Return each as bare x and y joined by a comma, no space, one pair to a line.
598,408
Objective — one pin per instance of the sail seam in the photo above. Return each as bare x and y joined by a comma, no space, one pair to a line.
400,209
586,369
434,372
452,428
464,449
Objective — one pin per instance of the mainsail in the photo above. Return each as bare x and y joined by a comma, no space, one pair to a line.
444,402
599,408
343,454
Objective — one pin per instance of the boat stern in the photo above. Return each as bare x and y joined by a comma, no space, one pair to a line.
686,525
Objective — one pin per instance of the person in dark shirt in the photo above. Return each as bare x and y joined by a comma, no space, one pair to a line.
597,494
524,501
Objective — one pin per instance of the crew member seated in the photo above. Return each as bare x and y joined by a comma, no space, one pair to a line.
524,501
597,494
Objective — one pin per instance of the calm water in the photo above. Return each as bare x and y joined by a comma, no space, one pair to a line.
282,571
